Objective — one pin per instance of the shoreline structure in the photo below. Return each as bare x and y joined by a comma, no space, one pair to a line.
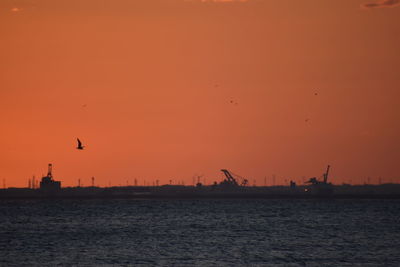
232,187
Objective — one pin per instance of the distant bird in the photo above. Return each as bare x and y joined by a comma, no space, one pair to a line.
306,120
315,93
233,102
79,144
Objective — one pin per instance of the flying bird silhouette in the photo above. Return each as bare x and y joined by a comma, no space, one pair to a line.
79,144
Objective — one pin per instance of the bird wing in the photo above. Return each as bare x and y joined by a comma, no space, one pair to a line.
79,142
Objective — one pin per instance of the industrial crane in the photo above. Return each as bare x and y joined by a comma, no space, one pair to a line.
326,174
314,180
322,188
230,180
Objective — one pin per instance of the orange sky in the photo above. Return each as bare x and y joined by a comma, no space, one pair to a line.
147,85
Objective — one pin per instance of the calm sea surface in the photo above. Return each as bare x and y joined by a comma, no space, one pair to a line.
200,233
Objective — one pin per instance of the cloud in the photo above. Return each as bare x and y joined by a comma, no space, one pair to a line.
381,3
223,1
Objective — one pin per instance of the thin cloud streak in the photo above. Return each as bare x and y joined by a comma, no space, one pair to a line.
381,3
217,1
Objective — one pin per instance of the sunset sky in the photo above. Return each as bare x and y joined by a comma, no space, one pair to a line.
170,89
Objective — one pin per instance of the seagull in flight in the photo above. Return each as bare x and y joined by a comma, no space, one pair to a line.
79,144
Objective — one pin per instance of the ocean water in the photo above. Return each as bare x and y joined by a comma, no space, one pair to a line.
200,233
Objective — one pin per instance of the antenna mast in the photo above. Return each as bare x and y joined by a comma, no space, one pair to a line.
49,172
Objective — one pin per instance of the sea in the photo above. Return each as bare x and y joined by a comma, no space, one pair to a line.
202,232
